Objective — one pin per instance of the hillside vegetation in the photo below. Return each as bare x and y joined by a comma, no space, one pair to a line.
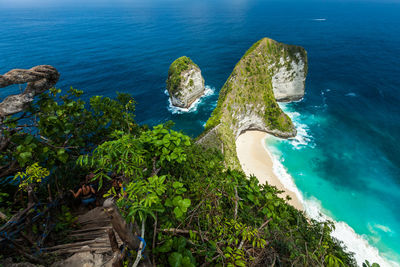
194,210
246,101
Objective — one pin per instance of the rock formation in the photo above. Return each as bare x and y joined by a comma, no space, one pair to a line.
185,83
86,259
269,71
289,77
38,79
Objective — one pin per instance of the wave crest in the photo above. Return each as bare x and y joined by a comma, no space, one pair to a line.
303,138
177,110
358,244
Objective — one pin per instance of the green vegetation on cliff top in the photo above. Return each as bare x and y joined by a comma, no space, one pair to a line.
174,73
250,83
248,90
194,210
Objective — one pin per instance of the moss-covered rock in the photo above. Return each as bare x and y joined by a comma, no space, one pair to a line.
185,84
247,100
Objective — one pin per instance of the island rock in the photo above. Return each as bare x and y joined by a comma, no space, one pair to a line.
268,71
185,84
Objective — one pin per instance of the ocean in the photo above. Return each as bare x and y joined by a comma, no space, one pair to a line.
345,161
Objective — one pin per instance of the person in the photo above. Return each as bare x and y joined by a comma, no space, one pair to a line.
87,194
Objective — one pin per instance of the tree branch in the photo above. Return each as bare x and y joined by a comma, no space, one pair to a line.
154,240
139,254
38,79
236,203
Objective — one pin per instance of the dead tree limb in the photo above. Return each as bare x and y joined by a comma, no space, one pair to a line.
264,224
118,258
119,224
38,79
139,254
178,231
236,203
154,239
122,228
113,240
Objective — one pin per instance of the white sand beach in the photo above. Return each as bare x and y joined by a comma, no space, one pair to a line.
255,160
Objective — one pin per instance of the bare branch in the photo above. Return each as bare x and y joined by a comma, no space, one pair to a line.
236,203
139,254
39,79
264,224
154,239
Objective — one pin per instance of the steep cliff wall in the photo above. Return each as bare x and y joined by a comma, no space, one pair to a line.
268,71
185,83
289,76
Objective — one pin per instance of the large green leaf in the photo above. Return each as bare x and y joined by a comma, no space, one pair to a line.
175,259
167,246
185,203
178,212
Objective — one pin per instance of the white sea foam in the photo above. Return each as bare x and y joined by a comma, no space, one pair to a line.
281,172
321,19
351,94
177,110
354,242
303,137
383,228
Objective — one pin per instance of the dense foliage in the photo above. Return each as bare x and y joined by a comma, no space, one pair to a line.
49,137
206,213
58,128
251,83
195,210
247,97
174,73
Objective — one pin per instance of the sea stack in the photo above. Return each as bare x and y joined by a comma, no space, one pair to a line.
268,72
185,84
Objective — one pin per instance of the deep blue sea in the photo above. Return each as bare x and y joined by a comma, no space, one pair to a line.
345,161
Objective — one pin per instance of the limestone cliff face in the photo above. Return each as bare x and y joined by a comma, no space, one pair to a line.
269,71
288,80
185,83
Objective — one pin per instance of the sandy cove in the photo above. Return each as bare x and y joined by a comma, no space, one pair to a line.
255,160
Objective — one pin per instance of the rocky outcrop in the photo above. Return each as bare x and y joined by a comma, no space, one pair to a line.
185,84
38,79
9,263
288,80
268,72
85,259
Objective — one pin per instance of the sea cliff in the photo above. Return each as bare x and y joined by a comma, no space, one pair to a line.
268,72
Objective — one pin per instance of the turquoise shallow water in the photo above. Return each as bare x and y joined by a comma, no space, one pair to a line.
344,178
346,160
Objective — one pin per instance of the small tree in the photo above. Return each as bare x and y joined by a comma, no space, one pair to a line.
30,179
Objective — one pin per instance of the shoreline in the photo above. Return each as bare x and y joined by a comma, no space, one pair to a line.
255,159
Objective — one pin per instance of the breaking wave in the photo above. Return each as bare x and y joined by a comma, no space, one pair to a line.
303,137
177,110
358,244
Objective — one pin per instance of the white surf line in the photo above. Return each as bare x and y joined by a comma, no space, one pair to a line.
354,242
177,110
